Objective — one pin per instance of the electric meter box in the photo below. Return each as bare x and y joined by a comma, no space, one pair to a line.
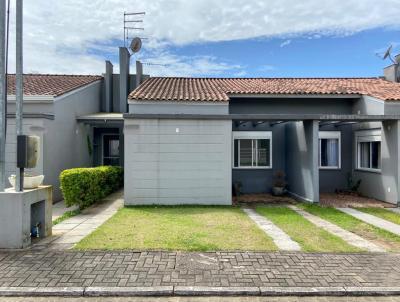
27,151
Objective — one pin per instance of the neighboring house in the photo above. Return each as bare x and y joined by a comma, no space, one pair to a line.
78,118
187,140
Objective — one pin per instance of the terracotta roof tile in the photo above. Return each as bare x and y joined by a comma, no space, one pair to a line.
50,84
218,89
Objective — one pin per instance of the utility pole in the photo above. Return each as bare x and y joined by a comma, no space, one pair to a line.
19,82
2,94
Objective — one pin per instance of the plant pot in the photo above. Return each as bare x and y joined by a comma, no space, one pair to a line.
30,181
278,191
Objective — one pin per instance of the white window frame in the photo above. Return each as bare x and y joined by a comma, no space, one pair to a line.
251,135
368,136
330,135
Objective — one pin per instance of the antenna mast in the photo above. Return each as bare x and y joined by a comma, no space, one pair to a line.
130,19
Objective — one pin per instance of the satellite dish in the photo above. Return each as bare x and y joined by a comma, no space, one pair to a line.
388,52
136,44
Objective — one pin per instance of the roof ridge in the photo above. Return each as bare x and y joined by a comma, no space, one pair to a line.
58,75
267,78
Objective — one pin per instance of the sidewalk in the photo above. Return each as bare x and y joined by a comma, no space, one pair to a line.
70,231
95,273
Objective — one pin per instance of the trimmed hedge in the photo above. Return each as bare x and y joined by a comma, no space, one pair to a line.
85,186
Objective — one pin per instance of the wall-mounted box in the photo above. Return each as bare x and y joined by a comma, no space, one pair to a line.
27,151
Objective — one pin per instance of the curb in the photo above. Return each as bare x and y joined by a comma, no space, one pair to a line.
195,291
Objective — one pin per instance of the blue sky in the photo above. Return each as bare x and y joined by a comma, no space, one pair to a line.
214,38
308,55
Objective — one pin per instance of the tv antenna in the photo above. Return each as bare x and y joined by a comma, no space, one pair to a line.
130,19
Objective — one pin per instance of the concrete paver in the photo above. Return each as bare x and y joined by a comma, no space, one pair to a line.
347,236
60,268
371,219
202,299
280,238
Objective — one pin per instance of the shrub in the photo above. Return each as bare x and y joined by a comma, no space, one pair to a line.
85,186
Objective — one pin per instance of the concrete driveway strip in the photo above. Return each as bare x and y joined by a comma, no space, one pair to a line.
371,219
347,236
280,238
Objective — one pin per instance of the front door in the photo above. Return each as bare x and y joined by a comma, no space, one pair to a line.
111,150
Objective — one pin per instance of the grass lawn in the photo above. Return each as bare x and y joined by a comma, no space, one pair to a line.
380,237
382,213
185,228
310,237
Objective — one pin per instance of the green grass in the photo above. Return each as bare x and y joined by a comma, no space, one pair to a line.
380,237
66,215
185,228
310,237
382,213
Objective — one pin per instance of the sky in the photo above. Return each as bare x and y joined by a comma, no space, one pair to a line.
212,38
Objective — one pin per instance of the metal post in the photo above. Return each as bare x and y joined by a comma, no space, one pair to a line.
2,94
19,181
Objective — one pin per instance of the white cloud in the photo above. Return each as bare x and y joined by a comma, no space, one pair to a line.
285,43
59,34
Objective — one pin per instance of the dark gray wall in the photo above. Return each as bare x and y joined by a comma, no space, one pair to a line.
260,180
331,180
302,159
289,106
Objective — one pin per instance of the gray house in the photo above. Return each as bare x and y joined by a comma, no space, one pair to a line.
188,140
78,118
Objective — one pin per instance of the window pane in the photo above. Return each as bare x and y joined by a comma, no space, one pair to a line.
376,155
246,152
236,153
263,152
364,154
329,152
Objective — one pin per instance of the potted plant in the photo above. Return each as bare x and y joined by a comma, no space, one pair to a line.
279,183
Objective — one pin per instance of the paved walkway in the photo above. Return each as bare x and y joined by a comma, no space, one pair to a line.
59,208
375,221
52,268
69,232
396,210
280,238
347,236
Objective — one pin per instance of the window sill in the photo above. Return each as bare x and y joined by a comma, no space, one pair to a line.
252,168
330,168
369,170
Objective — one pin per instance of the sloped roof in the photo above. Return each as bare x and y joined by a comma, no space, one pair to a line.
50,84
218,89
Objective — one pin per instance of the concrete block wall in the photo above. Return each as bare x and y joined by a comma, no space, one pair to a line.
177,161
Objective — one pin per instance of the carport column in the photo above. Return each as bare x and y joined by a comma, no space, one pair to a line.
311,129
390,155
302,160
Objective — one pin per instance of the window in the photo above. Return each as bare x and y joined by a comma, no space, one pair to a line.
252,149
329,150
369,150
111,150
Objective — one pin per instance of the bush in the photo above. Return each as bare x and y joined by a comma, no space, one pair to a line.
85,186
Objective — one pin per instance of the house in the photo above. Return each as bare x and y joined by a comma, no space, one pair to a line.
188,140
77,117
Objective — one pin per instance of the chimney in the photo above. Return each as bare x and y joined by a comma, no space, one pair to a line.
108,85
124,60
139,73
391,72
